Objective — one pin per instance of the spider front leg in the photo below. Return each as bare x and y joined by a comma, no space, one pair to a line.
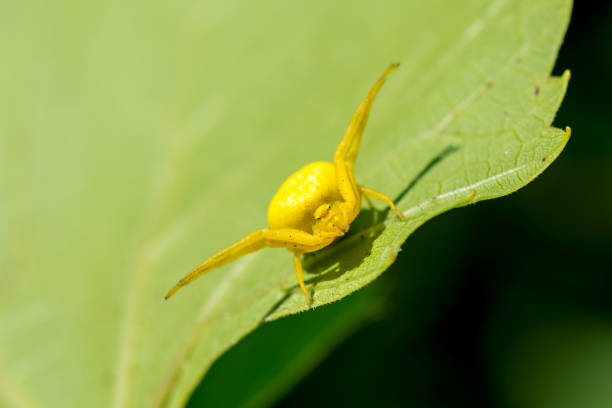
294,240
252,242
363,112
347,150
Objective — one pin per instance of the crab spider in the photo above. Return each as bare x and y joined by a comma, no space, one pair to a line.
312,208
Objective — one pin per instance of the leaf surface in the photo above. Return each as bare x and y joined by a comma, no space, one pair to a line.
136,139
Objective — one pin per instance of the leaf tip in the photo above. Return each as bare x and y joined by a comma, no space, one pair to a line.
568,132
567,75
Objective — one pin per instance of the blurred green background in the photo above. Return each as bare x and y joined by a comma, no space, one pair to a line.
517,313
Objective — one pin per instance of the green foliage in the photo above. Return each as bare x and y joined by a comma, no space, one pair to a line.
560,356
138,139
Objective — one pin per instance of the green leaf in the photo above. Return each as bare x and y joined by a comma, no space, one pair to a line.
136,139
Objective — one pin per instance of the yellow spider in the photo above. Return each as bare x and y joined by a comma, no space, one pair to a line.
311,208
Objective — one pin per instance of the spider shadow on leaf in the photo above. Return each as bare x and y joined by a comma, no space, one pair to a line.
364,231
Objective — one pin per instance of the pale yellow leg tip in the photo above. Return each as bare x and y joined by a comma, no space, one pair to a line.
397,212
307,296
391,68
171,292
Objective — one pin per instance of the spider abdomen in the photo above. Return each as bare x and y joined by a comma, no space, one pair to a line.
297,199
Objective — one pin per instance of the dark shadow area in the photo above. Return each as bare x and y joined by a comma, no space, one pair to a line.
278,304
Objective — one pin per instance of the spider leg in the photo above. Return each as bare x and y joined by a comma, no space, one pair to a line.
294,240
368,192
252,242
300,276
347,150
365,106
298,242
